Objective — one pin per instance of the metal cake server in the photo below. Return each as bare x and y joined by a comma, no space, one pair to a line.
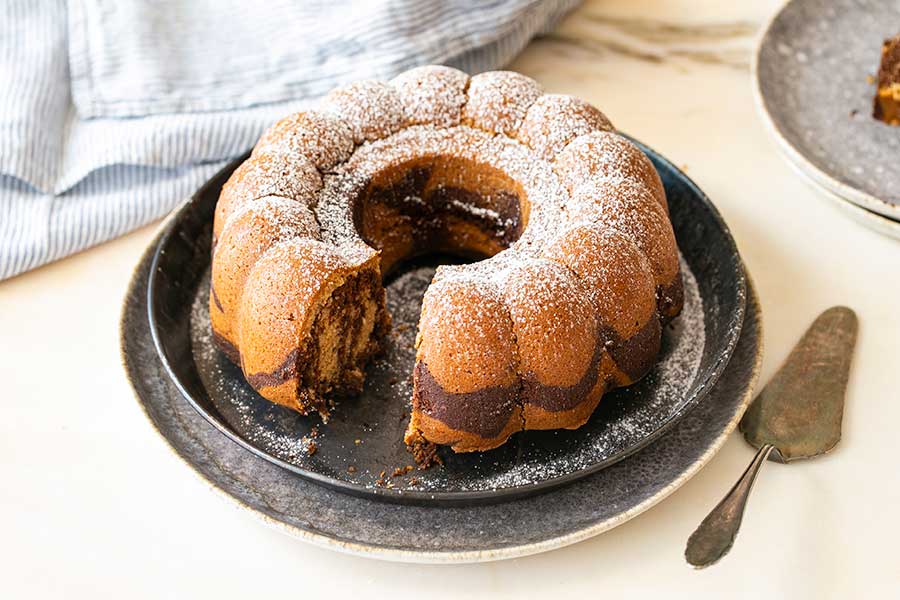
796,415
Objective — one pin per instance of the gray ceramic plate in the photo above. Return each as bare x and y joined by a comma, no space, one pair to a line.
412,533
811,87
363,437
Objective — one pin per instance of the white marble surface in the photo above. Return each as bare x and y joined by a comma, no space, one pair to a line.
93,504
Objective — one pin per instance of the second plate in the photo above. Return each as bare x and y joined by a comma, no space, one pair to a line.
811,88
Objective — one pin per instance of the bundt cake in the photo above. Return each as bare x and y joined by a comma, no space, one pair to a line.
576,268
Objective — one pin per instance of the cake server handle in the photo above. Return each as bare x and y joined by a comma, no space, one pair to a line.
714,536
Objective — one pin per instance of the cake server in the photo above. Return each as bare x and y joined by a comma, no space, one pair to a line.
796,415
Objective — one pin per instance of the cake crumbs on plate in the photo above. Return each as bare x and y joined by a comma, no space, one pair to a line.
401,471
424,453
382,481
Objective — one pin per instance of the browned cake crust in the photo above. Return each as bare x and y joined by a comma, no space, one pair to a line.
887,96
576,263
310,318
251,232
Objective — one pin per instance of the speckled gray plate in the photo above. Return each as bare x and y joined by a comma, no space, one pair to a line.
410,533
363,437
811,67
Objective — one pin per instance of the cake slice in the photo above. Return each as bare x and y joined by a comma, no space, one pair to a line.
311,318
887,97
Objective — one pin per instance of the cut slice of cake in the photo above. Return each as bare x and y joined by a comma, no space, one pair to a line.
887,97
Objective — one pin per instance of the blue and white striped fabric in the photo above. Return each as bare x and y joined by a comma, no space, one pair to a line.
114,111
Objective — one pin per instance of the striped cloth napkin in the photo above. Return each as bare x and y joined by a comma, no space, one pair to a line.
114,111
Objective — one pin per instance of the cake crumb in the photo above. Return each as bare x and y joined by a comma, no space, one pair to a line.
401,471
424,452
351,469
311,448
357,441
314,432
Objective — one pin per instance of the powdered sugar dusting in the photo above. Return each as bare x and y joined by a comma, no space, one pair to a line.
629,208
606,155
432,95
290,175
371,109
465,336
554,321
539,182
321,137
498,101
433,99
554,120
617,276
280,217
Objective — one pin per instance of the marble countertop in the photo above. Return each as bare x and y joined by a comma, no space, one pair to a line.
93,502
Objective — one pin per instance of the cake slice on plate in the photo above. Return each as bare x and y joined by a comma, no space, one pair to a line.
887,98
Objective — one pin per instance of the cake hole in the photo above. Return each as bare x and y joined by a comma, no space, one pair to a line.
440,205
